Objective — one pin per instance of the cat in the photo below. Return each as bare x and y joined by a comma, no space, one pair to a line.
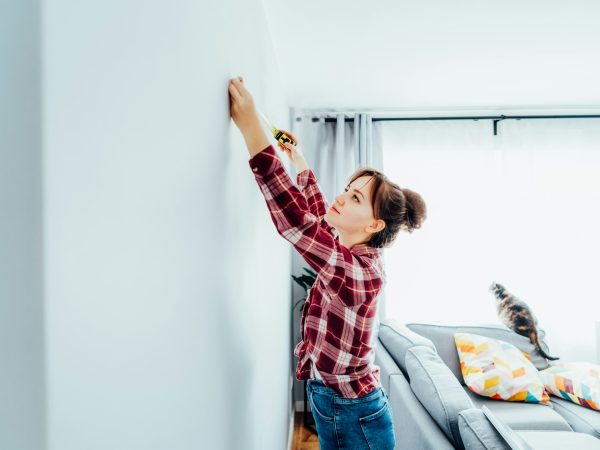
517,316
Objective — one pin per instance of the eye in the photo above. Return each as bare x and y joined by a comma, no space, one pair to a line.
354,196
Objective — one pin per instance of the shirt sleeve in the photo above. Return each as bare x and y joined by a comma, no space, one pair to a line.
307,182
317,203
348,277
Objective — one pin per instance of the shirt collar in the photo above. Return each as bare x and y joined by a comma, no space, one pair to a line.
363,249
366,250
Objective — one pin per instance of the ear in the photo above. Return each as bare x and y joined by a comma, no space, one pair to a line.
377,226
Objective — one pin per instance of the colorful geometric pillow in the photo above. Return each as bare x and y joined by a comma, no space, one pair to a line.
578,382
497,369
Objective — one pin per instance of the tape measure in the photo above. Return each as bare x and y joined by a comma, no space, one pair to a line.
279,135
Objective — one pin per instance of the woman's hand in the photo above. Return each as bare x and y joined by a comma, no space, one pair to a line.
243,113
241,105
294,152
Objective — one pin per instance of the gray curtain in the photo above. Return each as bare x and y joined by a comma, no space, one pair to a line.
334,150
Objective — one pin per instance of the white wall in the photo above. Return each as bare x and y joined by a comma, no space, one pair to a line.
22,409
166,287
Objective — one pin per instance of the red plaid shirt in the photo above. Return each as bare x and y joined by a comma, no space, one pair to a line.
338,315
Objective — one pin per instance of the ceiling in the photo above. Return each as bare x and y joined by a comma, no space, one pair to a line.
436,54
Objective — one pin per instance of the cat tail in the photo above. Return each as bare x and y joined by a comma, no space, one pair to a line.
533,337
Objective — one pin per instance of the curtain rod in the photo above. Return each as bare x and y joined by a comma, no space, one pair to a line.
495,119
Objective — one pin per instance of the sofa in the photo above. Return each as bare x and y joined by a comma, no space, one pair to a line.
433,409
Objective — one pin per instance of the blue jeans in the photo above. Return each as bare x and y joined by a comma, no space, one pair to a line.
351,423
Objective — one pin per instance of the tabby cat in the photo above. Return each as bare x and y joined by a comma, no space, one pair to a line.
517,316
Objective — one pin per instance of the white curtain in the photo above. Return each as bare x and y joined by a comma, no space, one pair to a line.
521,208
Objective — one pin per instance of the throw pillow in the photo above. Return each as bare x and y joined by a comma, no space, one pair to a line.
497,369
578,382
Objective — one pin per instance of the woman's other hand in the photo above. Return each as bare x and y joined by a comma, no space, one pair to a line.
294,152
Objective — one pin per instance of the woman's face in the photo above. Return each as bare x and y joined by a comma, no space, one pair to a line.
354,217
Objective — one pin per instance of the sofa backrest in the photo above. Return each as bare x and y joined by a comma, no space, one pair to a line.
397,339
442,336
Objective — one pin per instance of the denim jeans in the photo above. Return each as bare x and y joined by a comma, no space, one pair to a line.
351,423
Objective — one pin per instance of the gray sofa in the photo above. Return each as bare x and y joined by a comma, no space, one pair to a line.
433,409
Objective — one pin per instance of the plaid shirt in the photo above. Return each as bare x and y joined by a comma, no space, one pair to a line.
338,315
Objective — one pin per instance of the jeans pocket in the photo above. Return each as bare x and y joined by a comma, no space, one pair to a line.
322,405
378,429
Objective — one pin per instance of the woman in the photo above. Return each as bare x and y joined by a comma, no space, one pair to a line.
343,244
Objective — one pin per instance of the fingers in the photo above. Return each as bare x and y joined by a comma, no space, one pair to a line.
291,135
284,148
287,132
239,86
234,92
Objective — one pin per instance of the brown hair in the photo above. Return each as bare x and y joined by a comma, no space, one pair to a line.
399,208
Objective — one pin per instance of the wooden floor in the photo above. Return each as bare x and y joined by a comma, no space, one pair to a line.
303,439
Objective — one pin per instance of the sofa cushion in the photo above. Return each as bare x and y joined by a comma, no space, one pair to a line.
581,419
559,440
437,389
477,432
532,439
397,339
442,336
497,369
522,416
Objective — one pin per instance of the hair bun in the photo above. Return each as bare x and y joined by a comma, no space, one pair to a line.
415,210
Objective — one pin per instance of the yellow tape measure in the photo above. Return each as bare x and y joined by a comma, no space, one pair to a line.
279,135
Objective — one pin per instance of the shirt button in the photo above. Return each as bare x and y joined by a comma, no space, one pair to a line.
255,169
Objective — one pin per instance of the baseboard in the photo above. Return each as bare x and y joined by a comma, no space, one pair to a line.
300,406
292,414
291,430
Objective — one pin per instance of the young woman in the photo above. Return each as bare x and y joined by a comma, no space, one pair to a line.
343,244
